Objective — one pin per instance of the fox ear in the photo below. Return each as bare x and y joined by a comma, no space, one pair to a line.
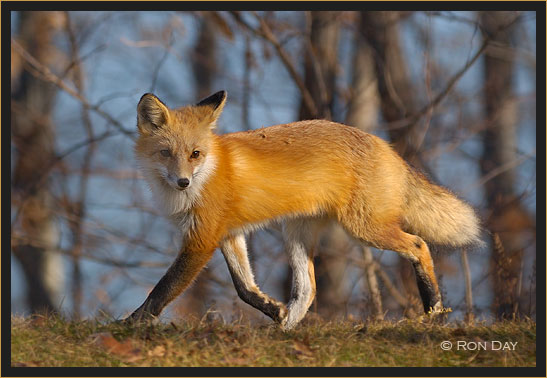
151,113
212,106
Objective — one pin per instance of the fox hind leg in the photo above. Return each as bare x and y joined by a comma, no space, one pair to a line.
413,248
425,277
423,268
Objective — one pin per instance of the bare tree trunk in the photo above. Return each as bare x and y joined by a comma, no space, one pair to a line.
469,316
33,138
363,113
507,217
320,64
204,62
381,30
195,299
364,104
397,100
372,282
245,105
330,271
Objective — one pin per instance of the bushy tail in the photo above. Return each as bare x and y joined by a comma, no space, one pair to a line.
438,216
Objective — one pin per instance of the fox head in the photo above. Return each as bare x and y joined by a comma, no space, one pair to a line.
174,145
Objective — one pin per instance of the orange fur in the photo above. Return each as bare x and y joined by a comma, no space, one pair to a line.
308,169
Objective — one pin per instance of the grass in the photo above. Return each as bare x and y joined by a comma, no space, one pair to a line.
53,341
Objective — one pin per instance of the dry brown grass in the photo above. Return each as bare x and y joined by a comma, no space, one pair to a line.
53,341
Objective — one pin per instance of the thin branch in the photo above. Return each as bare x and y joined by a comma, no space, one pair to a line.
45,172
46,74
161,61
396,294
499,170
372,281
410,120
49,76
80,203
468,286
266,33
26,240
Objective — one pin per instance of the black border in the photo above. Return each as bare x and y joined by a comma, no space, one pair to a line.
278,372
270,5
8,6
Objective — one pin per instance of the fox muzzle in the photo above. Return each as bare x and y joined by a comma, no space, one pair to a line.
183,183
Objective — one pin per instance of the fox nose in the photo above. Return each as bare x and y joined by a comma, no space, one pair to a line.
183,182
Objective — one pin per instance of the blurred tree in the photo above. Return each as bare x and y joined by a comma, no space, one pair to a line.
364,103
397,93
197,298
507,217
381,86
33,137
363,111
321,62
76,208
397,101
204,60
320,69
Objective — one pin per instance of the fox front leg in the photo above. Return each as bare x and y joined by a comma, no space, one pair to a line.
234,250
177,278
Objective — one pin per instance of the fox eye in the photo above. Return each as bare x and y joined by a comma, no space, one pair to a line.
165,153
195,154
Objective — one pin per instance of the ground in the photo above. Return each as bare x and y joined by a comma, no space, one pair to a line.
54,341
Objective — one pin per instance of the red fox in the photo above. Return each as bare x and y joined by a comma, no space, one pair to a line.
217,188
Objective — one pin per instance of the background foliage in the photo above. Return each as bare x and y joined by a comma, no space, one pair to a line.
454,92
